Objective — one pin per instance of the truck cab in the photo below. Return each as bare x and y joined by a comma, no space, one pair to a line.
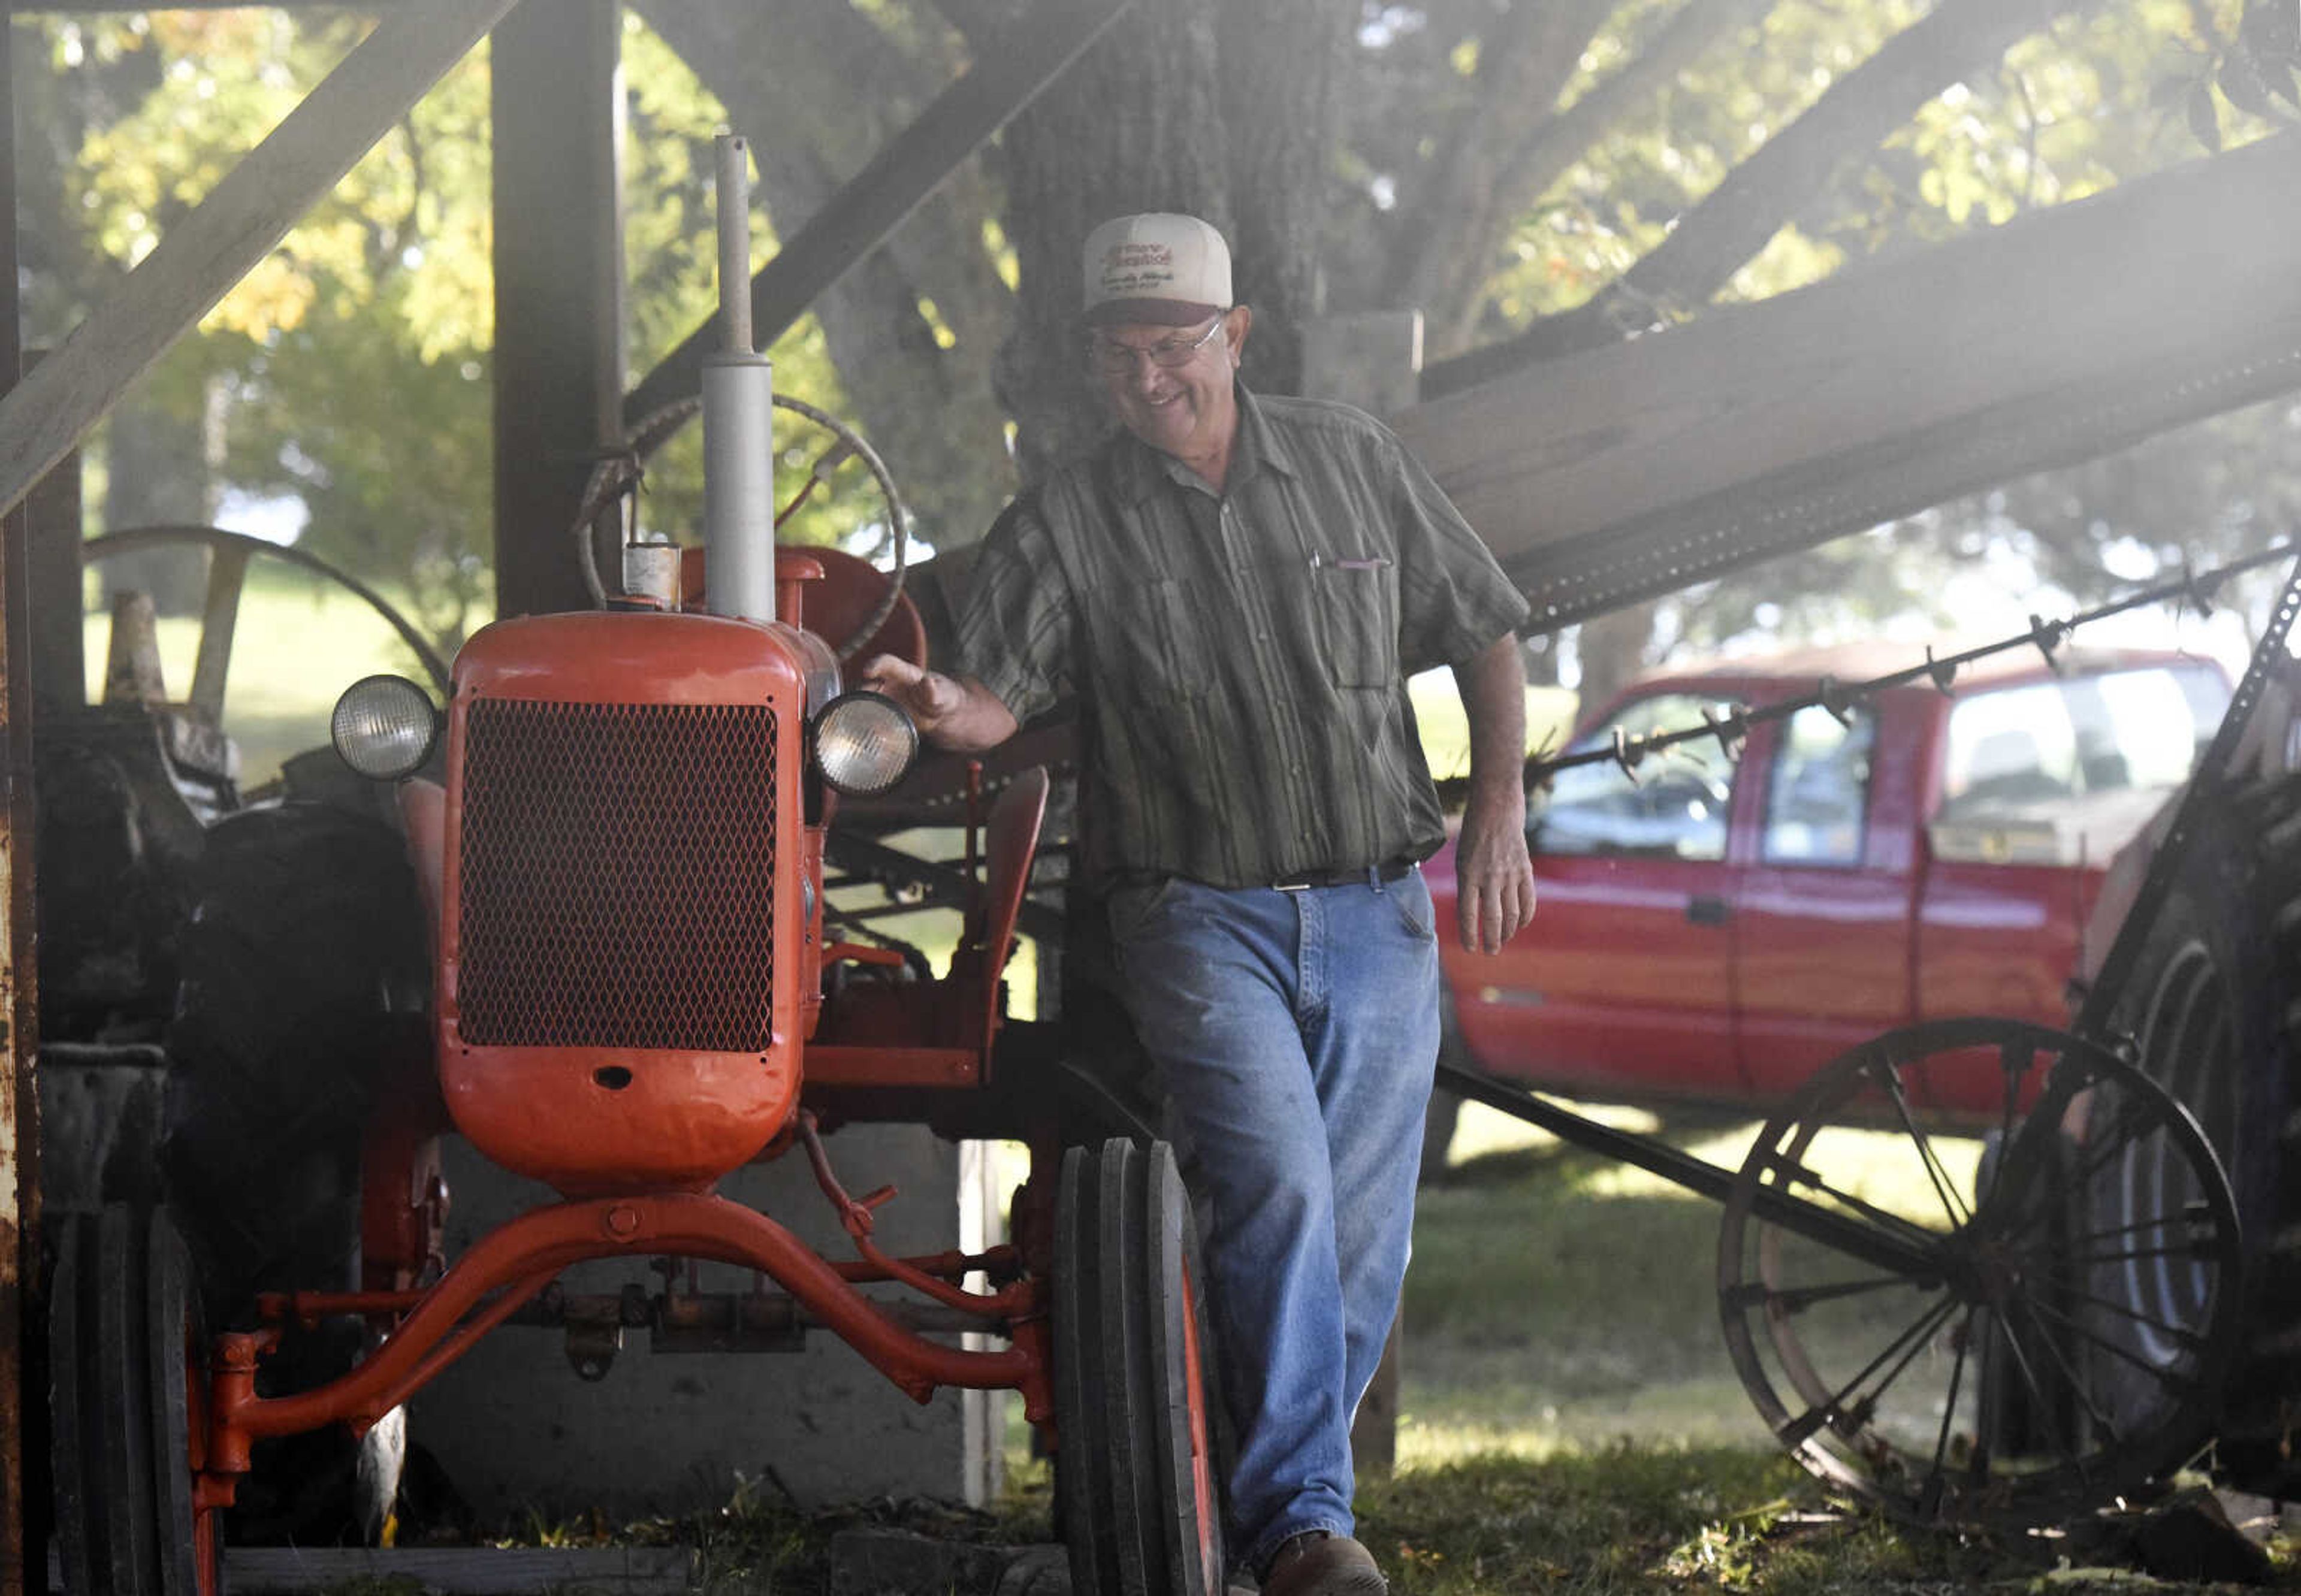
1717,920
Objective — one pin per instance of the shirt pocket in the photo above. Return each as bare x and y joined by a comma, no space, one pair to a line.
1357,611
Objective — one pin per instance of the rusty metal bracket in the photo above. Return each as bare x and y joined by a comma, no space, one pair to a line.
2204,785
1943,673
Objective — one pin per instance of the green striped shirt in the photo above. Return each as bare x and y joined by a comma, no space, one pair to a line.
1240,659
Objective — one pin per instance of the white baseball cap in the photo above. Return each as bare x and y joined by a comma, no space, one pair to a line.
1161,268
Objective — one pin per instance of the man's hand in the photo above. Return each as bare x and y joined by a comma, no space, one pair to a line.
1493,875
952,711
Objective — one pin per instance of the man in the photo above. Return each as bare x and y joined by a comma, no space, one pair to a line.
1235,588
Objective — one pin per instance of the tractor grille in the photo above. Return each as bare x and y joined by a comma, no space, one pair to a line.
618,880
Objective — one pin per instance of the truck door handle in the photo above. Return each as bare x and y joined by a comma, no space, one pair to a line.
1702,909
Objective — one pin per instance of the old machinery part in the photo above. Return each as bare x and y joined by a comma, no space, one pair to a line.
738,434
130,1409
864,742
512,1264
618,474
651,573
2203,791
228,554
1139,1447
2008,1373
384,727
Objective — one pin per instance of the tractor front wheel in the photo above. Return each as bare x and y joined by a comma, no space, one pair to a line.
128,1407
1139,1470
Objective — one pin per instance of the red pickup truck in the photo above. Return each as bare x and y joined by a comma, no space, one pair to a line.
1718,928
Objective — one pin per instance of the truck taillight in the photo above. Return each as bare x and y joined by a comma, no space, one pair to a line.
617,877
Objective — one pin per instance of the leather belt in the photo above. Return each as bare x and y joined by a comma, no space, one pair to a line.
1389,870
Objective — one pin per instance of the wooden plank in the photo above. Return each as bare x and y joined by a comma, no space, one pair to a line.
558,218
1793,508
458,1571
242,217
59,639
2159,301
854,221
23,1368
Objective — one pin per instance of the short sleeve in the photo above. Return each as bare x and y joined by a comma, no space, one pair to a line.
1454,601
1015,621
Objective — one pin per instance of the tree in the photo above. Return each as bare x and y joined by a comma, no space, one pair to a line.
1532,177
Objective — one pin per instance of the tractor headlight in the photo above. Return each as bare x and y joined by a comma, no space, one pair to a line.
864,743
384,727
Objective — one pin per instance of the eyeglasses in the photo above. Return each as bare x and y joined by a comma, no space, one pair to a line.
1117,359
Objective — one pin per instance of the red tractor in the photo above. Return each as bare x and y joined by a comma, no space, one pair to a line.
631,993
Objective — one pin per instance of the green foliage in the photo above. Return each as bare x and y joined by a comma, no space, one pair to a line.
350,370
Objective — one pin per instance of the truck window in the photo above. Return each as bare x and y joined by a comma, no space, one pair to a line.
1819,791
2113,731
1675,809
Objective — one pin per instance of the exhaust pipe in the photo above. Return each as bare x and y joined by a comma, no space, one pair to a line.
739,430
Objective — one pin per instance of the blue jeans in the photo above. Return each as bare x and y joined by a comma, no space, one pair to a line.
1298,1033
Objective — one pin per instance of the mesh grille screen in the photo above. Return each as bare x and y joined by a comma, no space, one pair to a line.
618,875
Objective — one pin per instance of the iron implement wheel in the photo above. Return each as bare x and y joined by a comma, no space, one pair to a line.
1137,1440
1885,1311
129,1409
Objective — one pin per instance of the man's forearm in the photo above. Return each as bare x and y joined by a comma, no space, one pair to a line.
980,720
1495,879
1493,685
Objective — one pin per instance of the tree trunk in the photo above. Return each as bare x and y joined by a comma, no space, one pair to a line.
1224,112
1612,652
926,404
1136,124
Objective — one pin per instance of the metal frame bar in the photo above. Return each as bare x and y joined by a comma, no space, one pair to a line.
508,1265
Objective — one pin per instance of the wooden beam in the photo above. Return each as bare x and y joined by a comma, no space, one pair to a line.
23,1307
1635,469
558,214
487,1571
240,222
872,203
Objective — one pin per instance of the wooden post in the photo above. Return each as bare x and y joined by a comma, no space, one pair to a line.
23,1428
559,288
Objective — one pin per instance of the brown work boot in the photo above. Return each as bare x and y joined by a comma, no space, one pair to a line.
1315,1563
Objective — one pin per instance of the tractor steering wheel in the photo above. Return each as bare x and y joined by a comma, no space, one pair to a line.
613,477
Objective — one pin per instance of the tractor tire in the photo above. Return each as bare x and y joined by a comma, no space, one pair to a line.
127,1406
1141,1461
306,970
2213,1011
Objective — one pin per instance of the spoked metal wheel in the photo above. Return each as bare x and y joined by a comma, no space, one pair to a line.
1137,1455
129,1407
1866,1280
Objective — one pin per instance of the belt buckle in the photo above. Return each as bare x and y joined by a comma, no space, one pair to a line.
1291,886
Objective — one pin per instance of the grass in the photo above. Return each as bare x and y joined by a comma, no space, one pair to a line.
1572,1425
